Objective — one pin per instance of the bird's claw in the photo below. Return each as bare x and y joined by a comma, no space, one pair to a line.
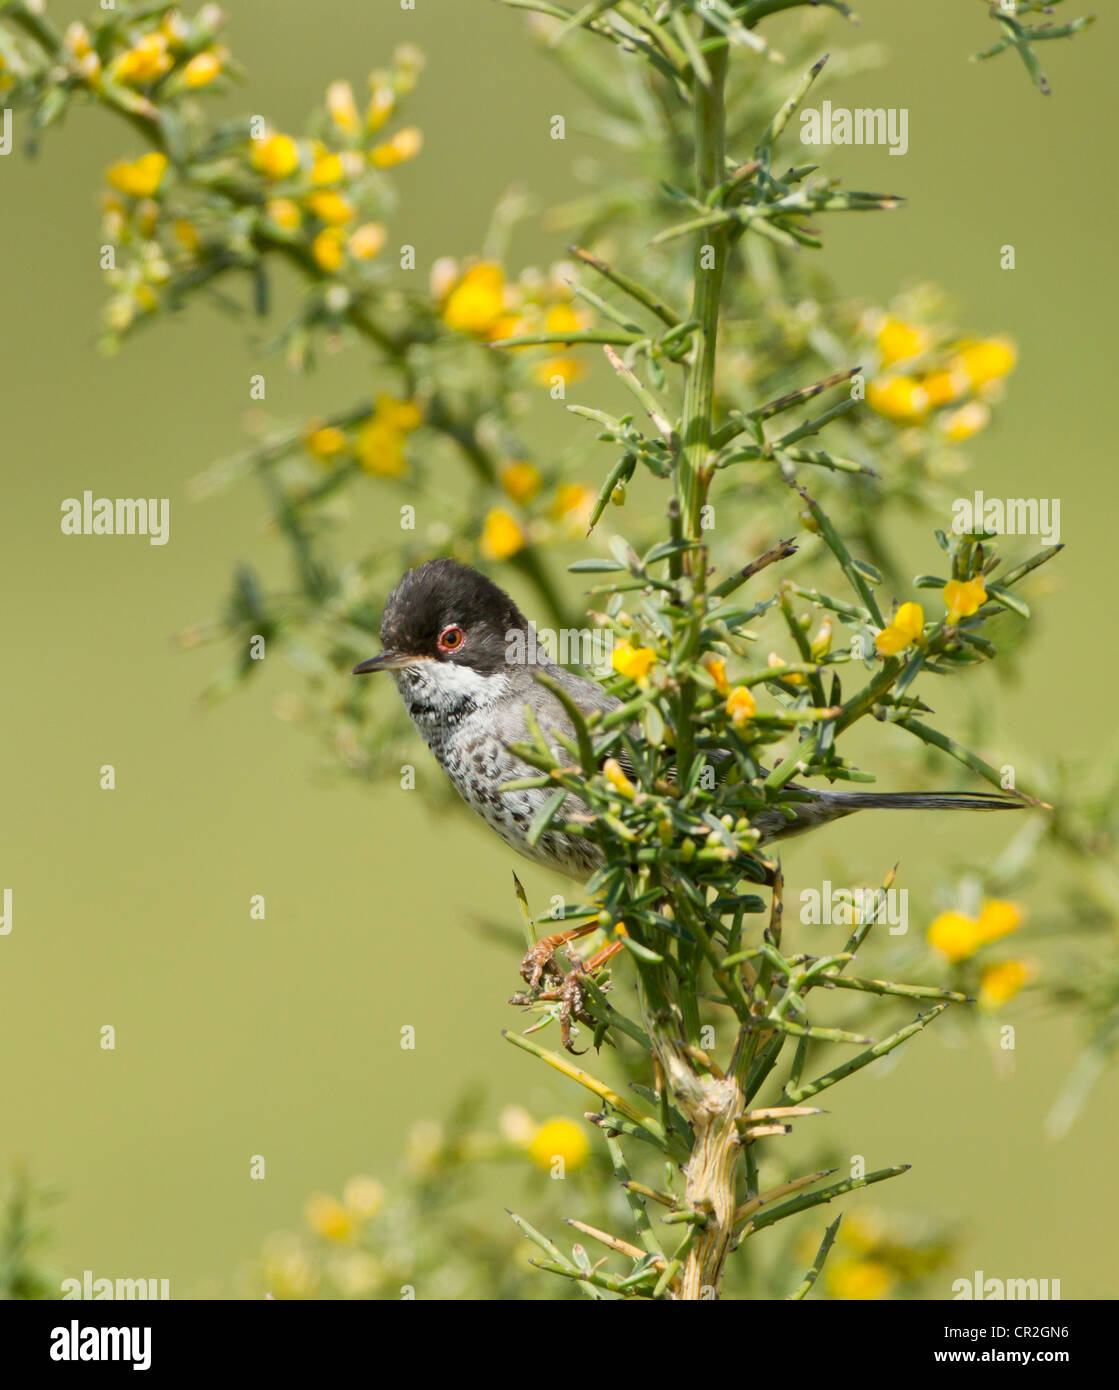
539,967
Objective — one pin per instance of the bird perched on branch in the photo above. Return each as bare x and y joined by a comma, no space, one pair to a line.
465,661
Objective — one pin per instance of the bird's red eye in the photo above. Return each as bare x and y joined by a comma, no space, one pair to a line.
451,638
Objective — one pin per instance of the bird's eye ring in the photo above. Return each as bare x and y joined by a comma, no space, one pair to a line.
451,638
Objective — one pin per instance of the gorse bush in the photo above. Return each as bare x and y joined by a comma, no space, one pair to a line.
736,517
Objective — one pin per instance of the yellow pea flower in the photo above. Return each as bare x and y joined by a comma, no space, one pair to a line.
284,212
328,1218
716,668
1001,980
568,369
328,249
999,919
573,505
987,360
741,705
944,385
382,102
898,340
142,177
820,644
967,421
342,107
955,935
562,318
521,480
202,69
906,628
404,145
559,1138
900,398
477,302
633,662
276,156
325,442
501,535
963,597
144,62
367,241
403,416
775,663
380,449
331,207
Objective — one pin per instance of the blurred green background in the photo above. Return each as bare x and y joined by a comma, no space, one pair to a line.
237,1037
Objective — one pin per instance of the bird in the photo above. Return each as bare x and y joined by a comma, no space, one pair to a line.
465,661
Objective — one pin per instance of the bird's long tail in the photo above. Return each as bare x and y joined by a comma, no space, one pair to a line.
921,801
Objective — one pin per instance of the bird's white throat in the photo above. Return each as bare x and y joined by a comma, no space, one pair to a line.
438,693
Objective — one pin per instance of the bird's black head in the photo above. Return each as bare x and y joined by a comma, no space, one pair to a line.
444,611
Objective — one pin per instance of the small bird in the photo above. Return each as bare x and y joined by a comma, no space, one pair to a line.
465,660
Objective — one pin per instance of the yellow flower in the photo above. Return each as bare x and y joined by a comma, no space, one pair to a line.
327,167
328,248
820,645
1001,980
382,102
612,771
476,303
367,241
955,936
142,177
276,156
404,416
330,207
568,369
501,535
202,69
716,668
965,422
987,359
284,212
775,662
573,504
145,62
958,937
900,398
944,385
741,705
898,340
405,144
363,1196
342,107
328,1218
559,1138
860,1279
521,480
963,597
634,662
562,318
325,442
998,919
380,441
908,624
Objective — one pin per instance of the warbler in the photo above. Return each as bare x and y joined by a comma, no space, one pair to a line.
465,661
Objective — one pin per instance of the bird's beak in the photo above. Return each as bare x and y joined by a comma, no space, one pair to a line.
387,661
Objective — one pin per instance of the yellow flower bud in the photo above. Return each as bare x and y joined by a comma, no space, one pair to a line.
275,156
501,535
328,249
325,442
476,303
612,771
367,241
328,1218
284,212
202,69
987,360
900,398
1000,981
559,1139
404,145
342,106
967,421
330,207
898,341
716,668
520,480
741,705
